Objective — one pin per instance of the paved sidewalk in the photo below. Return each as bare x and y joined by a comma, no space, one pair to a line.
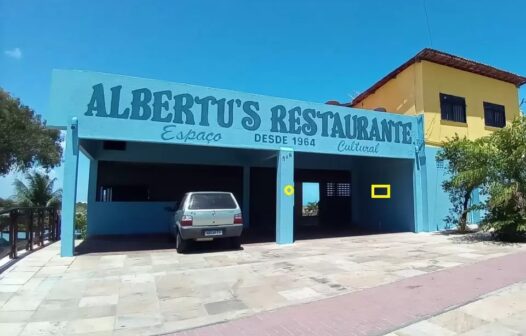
499,313
381,309
156,291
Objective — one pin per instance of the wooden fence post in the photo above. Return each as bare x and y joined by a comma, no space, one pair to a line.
59,224
13,233
40,227
51,224
29,233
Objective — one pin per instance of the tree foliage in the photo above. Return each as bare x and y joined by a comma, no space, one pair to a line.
497,166
468,165
6,203
81,219
38,191
24,139
506,207
311,209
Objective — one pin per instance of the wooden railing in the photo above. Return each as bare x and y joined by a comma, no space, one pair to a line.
40,225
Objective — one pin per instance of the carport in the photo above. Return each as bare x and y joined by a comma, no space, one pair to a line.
150,141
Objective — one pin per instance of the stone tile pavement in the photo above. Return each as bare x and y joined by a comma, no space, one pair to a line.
158,291
377,310
498,313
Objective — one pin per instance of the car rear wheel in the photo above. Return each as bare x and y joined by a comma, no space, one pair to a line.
235,242
180,244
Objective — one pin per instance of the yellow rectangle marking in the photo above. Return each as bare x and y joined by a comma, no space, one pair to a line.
380,186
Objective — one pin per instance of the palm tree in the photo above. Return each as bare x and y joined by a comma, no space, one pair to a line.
38,191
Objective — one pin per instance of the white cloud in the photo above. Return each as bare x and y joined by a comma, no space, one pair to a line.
15,53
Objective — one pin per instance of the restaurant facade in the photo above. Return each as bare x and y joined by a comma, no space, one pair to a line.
150,141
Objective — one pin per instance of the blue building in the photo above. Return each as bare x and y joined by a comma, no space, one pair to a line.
151,141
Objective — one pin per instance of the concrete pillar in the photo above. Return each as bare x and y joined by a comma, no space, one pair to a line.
285,196
92,190
246,196
420,180
69,190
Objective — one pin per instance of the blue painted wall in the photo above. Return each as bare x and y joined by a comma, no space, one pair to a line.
178,123
128,218
438,199
388,215
385,215
114,107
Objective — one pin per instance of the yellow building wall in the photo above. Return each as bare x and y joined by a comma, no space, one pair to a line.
402,94
476,89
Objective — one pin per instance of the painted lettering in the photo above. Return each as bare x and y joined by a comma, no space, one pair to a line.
358,132
324,122
182,105
160,105
115,101
252,121
294,120
309,128
279,112
205,107
140,108
97,102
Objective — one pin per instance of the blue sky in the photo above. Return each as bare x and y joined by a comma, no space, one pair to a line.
307,50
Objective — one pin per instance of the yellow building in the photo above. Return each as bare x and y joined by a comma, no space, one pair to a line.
455,95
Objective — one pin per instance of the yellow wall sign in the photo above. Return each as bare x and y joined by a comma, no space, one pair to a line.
374,187
288,190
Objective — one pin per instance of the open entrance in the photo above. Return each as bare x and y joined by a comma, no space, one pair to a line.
133,184
136,197
333,197
322,204
134,187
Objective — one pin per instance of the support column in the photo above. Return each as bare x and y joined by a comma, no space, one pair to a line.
69,193
246,196
92,193
420,180
285,197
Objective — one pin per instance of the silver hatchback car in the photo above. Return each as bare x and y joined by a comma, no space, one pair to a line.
205,216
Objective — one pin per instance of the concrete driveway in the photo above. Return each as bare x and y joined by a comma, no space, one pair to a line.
157,291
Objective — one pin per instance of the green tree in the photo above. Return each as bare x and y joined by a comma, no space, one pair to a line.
467,164
6,203
38,191
310,209
24,139
506,207
81,224
81,219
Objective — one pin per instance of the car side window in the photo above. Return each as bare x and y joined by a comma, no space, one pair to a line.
181,205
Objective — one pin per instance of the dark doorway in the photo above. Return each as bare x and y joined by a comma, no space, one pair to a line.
332,213
330,216
262,205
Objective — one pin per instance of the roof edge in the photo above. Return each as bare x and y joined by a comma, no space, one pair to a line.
442,58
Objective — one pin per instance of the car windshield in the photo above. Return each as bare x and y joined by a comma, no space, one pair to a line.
208,201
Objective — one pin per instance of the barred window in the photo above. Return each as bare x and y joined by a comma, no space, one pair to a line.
494,115
343,189
452,108
331,189
338,189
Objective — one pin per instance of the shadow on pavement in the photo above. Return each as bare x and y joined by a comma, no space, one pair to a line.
159,242
477,237
149,242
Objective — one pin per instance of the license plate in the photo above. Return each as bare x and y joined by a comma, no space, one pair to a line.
209,233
